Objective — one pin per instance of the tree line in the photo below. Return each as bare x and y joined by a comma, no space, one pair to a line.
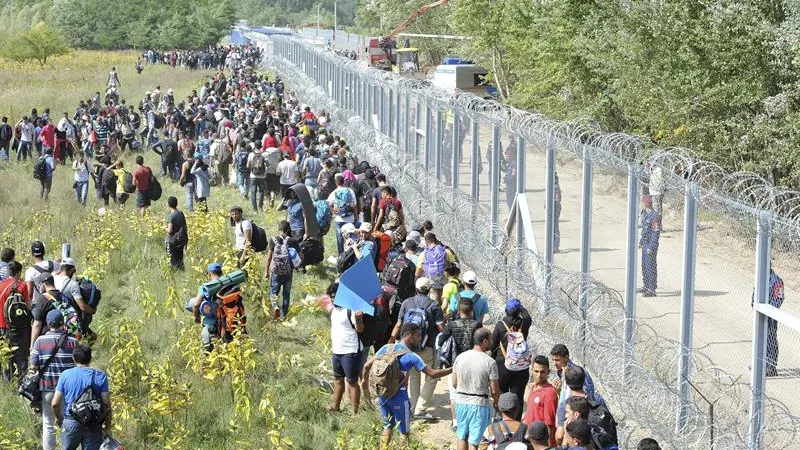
97,24
719,76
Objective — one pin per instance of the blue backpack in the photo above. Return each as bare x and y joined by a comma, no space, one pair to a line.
324,214
343,204
420,317
241,161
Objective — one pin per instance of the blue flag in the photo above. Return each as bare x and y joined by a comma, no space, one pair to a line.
358,287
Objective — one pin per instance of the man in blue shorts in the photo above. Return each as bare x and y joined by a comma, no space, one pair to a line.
477,390
396,410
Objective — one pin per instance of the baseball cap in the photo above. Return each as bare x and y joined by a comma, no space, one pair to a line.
508,402
365,226
215,268
537,432
470,277
414,236
348,228
55,318
513,304
68,262
423,284
37,248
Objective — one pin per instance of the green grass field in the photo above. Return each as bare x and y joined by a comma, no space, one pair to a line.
262,393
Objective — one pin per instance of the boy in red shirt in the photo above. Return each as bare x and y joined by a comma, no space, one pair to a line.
543,398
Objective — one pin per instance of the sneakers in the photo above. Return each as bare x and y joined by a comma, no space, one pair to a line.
424,416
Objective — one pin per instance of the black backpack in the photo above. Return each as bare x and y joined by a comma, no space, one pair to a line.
40,169
504,437
346,260
154,191
90,293
603,426
16,312
311,252
397,273
89,409
258,240
128,187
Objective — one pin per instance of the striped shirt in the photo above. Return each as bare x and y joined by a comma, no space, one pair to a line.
41,351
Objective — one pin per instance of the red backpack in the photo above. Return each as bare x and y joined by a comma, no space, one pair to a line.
384,243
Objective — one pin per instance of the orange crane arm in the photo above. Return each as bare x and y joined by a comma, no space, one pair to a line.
413,17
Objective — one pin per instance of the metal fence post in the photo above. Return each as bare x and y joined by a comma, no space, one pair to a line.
417,125
758,373
520,188
687,305
406,128
397,120
428,137
586,235
438,154
630,266
475,163
494,188
454,152
550,217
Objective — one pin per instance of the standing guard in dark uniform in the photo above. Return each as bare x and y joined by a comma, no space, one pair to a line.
651,232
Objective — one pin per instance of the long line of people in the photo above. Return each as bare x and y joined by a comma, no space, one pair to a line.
253,134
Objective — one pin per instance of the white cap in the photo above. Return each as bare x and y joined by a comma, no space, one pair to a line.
470,277
423,284
365,226
68,262
348,228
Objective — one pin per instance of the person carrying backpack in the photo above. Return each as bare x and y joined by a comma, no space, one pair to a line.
82,393
51,354
242,172
41,269
387,373
513,356
326,180
428,315
602,425
279,269
461,329
257,165
43,171
508,430
15,320
432,262
204,312
343,202
480,303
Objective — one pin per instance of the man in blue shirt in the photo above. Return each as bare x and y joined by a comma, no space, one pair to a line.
480,305
296,218
396,411
71,385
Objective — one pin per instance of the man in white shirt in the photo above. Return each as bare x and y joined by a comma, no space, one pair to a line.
243,230
40,269
27,131
287,171
64,282
343,203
